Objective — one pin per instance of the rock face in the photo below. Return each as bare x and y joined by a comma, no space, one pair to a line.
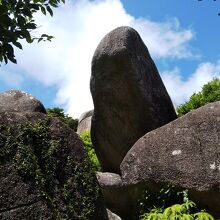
128,94
84,122
118,198
44,171
184,153
112,216
19,101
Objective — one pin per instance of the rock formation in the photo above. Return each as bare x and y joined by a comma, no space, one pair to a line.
44,170
84,122
128,94
19,101
119,198
184,153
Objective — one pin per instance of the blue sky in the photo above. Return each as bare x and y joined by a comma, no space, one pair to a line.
182,37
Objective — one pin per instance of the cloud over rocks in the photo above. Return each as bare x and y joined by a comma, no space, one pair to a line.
180,90
78,27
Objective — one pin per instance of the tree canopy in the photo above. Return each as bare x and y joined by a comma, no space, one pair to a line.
59,113
210,93
17,22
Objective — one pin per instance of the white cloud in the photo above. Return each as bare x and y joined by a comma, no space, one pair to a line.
79,26
180,90
166,39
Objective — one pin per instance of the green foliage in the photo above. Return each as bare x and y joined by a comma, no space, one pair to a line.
185,211
36,157
210,93
167,196
39,159
86,138
17,22
84,181
59,113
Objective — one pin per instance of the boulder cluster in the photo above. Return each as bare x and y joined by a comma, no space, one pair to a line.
136,134
45,172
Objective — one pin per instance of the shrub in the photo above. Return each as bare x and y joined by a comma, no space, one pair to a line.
167,196
170,203
210,93
86,138
184,211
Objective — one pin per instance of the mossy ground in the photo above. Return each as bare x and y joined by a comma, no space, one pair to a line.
69,186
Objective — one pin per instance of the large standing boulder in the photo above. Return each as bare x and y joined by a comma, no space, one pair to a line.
184,153
19,101
129,96
84,123
44,171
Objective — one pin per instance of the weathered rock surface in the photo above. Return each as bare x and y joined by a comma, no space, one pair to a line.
112,216
85,122
19,101
128,94
44,171
184,153
119,198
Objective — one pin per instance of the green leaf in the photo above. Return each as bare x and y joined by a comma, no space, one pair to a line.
35,6
31,26
49,38
17,44
21,20
53,4
43,10
187,217
40,39
29,40
12,59
44,35
50,11
203,216
8,48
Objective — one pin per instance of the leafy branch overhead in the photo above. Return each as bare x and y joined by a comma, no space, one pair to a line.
17,22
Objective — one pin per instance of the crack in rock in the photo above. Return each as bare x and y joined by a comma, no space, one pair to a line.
18,207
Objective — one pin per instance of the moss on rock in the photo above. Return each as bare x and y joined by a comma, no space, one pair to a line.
61,174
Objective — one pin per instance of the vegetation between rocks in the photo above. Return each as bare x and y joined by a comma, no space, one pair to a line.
183,211
170,204
86,138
